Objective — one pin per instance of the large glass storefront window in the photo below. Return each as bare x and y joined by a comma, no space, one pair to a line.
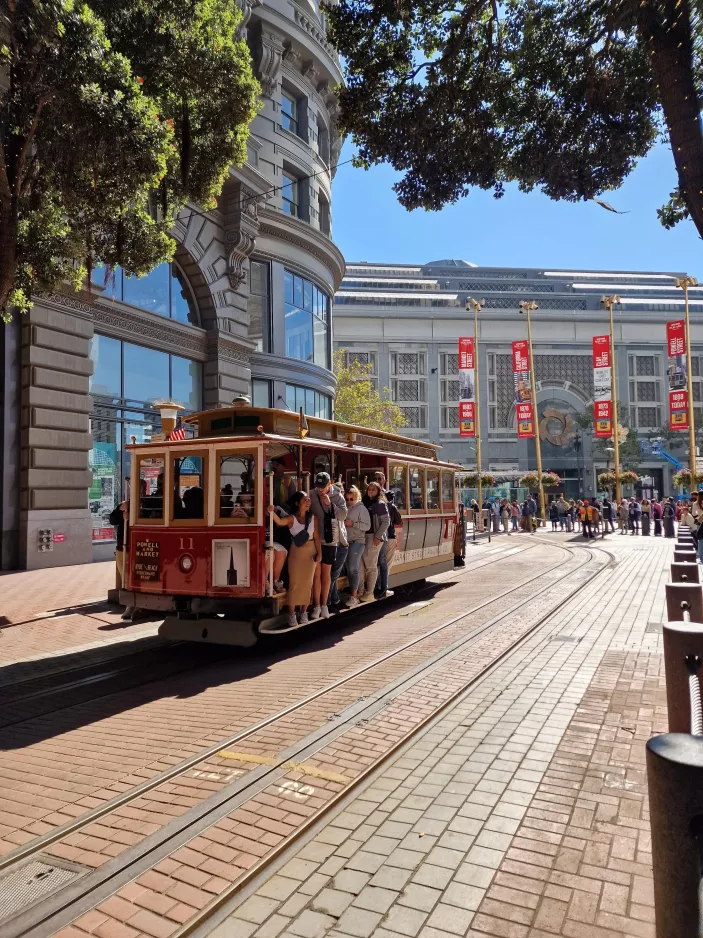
126,381
307,321
165,291
259,305
314,403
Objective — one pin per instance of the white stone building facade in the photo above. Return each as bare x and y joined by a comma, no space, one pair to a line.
244,308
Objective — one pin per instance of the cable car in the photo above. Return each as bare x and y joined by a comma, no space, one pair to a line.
199,521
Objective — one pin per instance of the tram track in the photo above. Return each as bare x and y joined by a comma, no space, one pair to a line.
103,881
50,693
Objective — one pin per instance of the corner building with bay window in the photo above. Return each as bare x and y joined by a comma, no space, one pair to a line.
244,308
405,322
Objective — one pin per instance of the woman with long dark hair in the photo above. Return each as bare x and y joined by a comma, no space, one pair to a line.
375,502
302,555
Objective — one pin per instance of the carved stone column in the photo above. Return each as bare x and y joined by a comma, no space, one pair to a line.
246,6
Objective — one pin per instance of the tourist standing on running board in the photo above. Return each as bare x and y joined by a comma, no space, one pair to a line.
302,556
375,502
328,505
358,524
387,551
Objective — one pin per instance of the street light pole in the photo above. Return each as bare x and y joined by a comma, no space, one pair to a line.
684,283
609,302
528,307
477,305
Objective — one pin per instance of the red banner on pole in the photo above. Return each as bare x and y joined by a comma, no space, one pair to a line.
601,351
525,420
521,357
676,337
466,354
678,410
467,418
603,418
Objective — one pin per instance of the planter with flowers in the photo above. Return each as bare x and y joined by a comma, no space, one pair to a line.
529,481
488,480
628,477
685,479
606,480
550,480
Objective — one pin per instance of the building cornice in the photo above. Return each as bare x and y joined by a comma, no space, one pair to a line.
304,236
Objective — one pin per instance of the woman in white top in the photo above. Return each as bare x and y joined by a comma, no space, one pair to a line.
302,556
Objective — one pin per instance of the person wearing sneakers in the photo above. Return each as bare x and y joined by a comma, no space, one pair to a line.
358,524
377,507
302,556
328,505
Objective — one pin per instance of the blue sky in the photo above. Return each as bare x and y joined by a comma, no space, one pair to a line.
518,230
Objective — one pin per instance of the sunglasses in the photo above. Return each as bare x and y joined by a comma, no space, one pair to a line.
349,498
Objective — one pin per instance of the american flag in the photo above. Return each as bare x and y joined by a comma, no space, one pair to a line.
179,433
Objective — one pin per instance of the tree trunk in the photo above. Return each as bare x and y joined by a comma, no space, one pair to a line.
668,37
8,253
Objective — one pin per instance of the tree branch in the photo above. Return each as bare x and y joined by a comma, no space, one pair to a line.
21,159
5,190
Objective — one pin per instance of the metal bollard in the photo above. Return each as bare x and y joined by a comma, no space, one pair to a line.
685,572
684,553
675,782
683,653
684,598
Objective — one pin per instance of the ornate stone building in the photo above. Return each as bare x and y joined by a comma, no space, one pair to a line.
405,320
244,308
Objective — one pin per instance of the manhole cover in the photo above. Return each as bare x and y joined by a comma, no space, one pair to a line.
34,881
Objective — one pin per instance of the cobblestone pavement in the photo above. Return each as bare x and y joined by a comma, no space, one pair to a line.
519,813
59,766
55,612
473,828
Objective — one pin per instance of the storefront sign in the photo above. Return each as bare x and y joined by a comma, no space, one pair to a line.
102,495
146,560
467,418
524,411
602,387
467,387
678,410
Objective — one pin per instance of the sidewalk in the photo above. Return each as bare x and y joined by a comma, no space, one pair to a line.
46,613
520,813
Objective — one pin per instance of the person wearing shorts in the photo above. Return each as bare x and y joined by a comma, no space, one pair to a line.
330,510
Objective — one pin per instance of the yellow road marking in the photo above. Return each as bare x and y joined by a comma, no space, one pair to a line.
296,766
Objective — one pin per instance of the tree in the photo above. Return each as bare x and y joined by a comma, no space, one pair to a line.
358,402
113,115
564,95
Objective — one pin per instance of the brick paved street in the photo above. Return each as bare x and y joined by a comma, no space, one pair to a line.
519,810
522,813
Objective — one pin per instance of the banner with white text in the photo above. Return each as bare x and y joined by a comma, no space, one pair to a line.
603,387
467,387
524,409
677,374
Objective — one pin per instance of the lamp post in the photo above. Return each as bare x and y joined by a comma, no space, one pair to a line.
609,302
527,307
684,283
477,306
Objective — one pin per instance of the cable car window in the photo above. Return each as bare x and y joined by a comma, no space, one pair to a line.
188,487
151,488
398,484
447,491
433,490
417,488
237,488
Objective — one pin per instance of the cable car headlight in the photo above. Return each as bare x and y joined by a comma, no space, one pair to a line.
186,563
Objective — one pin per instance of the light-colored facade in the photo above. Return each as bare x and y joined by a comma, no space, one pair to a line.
244,308
405,321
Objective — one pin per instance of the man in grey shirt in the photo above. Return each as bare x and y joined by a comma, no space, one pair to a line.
330,509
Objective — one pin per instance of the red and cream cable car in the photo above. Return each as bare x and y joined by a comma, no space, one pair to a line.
199,520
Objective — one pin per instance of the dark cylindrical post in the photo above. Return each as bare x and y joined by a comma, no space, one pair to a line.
683,647
684,554
675,782
682,598
685,572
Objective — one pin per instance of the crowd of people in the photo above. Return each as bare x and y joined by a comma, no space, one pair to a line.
593,517
330,532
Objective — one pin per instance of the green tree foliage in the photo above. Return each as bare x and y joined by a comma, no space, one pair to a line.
561,95
113,115
358,402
